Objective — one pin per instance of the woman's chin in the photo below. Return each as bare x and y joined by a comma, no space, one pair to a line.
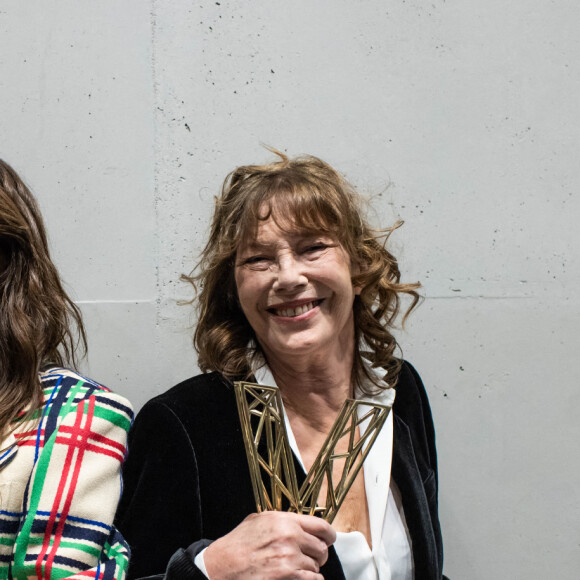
301,347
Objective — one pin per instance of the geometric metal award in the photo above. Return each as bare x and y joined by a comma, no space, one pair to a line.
271,461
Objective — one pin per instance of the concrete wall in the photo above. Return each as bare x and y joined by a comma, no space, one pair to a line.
460,117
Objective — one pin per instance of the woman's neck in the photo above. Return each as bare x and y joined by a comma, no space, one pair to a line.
314,389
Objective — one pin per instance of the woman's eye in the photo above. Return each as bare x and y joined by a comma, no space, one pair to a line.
318,247
256,260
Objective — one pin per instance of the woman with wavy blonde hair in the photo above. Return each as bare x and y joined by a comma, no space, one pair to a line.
294,290
62,436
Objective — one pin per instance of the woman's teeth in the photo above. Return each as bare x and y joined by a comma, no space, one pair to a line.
291,312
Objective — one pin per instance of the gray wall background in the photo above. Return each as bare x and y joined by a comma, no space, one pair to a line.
459,117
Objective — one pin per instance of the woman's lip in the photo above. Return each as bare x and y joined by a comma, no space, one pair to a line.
288,310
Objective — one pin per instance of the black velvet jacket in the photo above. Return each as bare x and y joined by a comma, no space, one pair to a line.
186,477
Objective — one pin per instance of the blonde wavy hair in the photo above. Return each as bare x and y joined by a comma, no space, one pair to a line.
308,195
37,317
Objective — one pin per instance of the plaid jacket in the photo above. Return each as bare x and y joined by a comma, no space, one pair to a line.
60,482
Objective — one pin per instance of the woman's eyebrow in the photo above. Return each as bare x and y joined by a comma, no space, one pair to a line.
256,246
299,238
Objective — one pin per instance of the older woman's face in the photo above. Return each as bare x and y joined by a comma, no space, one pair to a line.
295,289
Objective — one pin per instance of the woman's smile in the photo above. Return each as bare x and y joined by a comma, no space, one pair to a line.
294,311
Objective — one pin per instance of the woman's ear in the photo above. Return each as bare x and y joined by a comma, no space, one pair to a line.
356,269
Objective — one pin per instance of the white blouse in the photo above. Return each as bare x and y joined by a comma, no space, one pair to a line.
391,555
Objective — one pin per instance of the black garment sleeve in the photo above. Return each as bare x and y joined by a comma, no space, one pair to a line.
160,512
181,566
428,426
415,471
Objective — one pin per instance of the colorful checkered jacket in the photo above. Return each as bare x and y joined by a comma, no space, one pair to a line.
60,482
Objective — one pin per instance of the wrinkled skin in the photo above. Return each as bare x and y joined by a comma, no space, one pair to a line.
273,546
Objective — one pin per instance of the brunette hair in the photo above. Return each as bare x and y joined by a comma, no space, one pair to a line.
36,314
307,194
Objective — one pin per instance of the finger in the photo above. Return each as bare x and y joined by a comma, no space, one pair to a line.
307,575
319,528
314,547
306,564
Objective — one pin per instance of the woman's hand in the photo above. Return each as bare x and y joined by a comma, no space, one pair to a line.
273,546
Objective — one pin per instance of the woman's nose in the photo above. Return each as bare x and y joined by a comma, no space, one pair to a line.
290,273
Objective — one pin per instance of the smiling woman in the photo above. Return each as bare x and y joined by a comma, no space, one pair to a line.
301,197
295,290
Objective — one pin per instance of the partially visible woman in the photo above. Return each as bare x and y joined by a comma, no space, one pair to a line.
62,436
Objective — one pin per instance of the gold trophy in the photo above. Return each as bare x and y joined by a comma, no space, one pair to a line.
271,461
